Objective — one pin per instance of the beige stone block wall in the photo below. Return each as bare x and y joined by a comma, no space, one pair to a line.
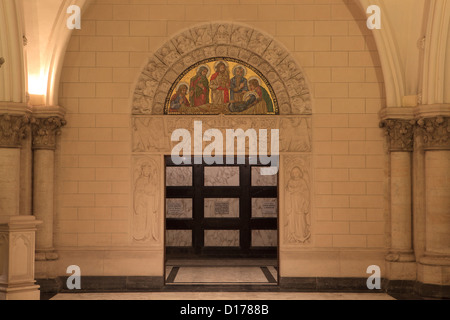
328,38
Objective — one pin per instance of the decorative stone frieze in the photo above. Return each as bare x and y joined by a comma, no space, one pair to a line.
13,129
45,130
222,40
151,134
435,133
400,134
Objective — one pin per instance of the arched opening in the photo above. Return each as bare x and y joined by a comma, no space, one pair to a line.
212,209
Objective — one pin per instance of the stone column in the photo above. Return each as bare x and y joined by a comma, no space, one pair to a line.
434,266
44,131
17,244
400,260
13,129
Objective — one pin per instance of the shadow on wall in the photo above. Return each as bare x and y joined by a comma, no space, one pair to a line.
360,19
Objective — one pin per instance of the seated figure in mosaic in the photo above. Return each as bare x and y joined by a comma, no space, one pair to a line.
256,101
179,99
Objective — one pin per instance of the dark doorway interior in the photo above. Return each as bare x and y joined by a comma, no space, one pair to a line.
220,211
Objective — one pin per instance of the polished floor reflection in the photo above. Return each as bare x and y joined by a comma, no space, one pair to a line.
221,272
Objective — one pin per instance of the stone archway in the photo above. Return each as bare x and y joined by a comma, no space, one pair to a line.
152,129
222,40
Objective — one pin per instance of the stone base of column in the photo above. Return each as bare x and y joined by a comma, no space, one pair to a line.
401,266
433,275
46,255
17,258
434,269
18,292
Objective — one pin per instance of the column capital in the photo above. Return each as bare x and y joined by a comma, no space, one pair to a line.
13,129
400,134
44,131
435,132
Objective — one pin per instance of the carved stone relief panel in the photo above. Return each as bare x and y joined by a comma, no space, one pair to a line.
179,238
153,134
147,216
222,208
168,54
297,199
222,238
221,32
179,209
264,208
184,43
22,246
264,238
259,180
222,177
179,176
259,43
149,135
241,36
295,134
222,40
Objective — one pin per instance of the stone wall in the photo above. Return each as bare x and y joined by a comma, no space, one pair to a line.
328,39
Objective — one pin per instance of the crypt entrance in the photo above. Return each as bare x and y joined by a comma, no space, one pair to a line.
221,224
226,77
220,211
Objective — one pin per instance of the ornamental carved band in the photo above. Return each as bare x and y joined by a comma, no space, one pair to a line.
45,130
435,133
13,129
400,134
222,40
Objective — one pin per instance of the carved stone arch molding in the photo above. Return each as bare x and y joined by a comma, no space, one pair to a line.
152,128
230,40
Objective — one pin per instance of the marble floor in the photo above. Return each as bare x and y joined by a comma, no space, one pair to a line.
221,275
183,275
230,296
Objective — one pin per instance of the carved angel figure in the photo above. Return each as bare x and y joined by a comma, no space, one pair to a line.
146,204
297,208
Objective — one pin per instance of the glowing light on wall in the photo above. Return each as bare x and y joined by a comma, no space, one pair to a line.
37,84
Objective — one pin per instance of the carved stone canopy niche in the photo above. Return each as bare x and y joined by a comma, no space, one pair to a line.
230,40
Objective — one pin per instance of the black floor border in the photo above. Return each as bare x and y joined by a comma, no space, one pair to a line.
268,275
172,275
410,290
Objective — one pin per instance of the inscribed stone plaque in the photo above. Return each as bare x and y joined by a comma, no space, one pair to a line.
222,176
264,238
221,238
179,208
259,180
179,238
179,176
264,207
222,208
